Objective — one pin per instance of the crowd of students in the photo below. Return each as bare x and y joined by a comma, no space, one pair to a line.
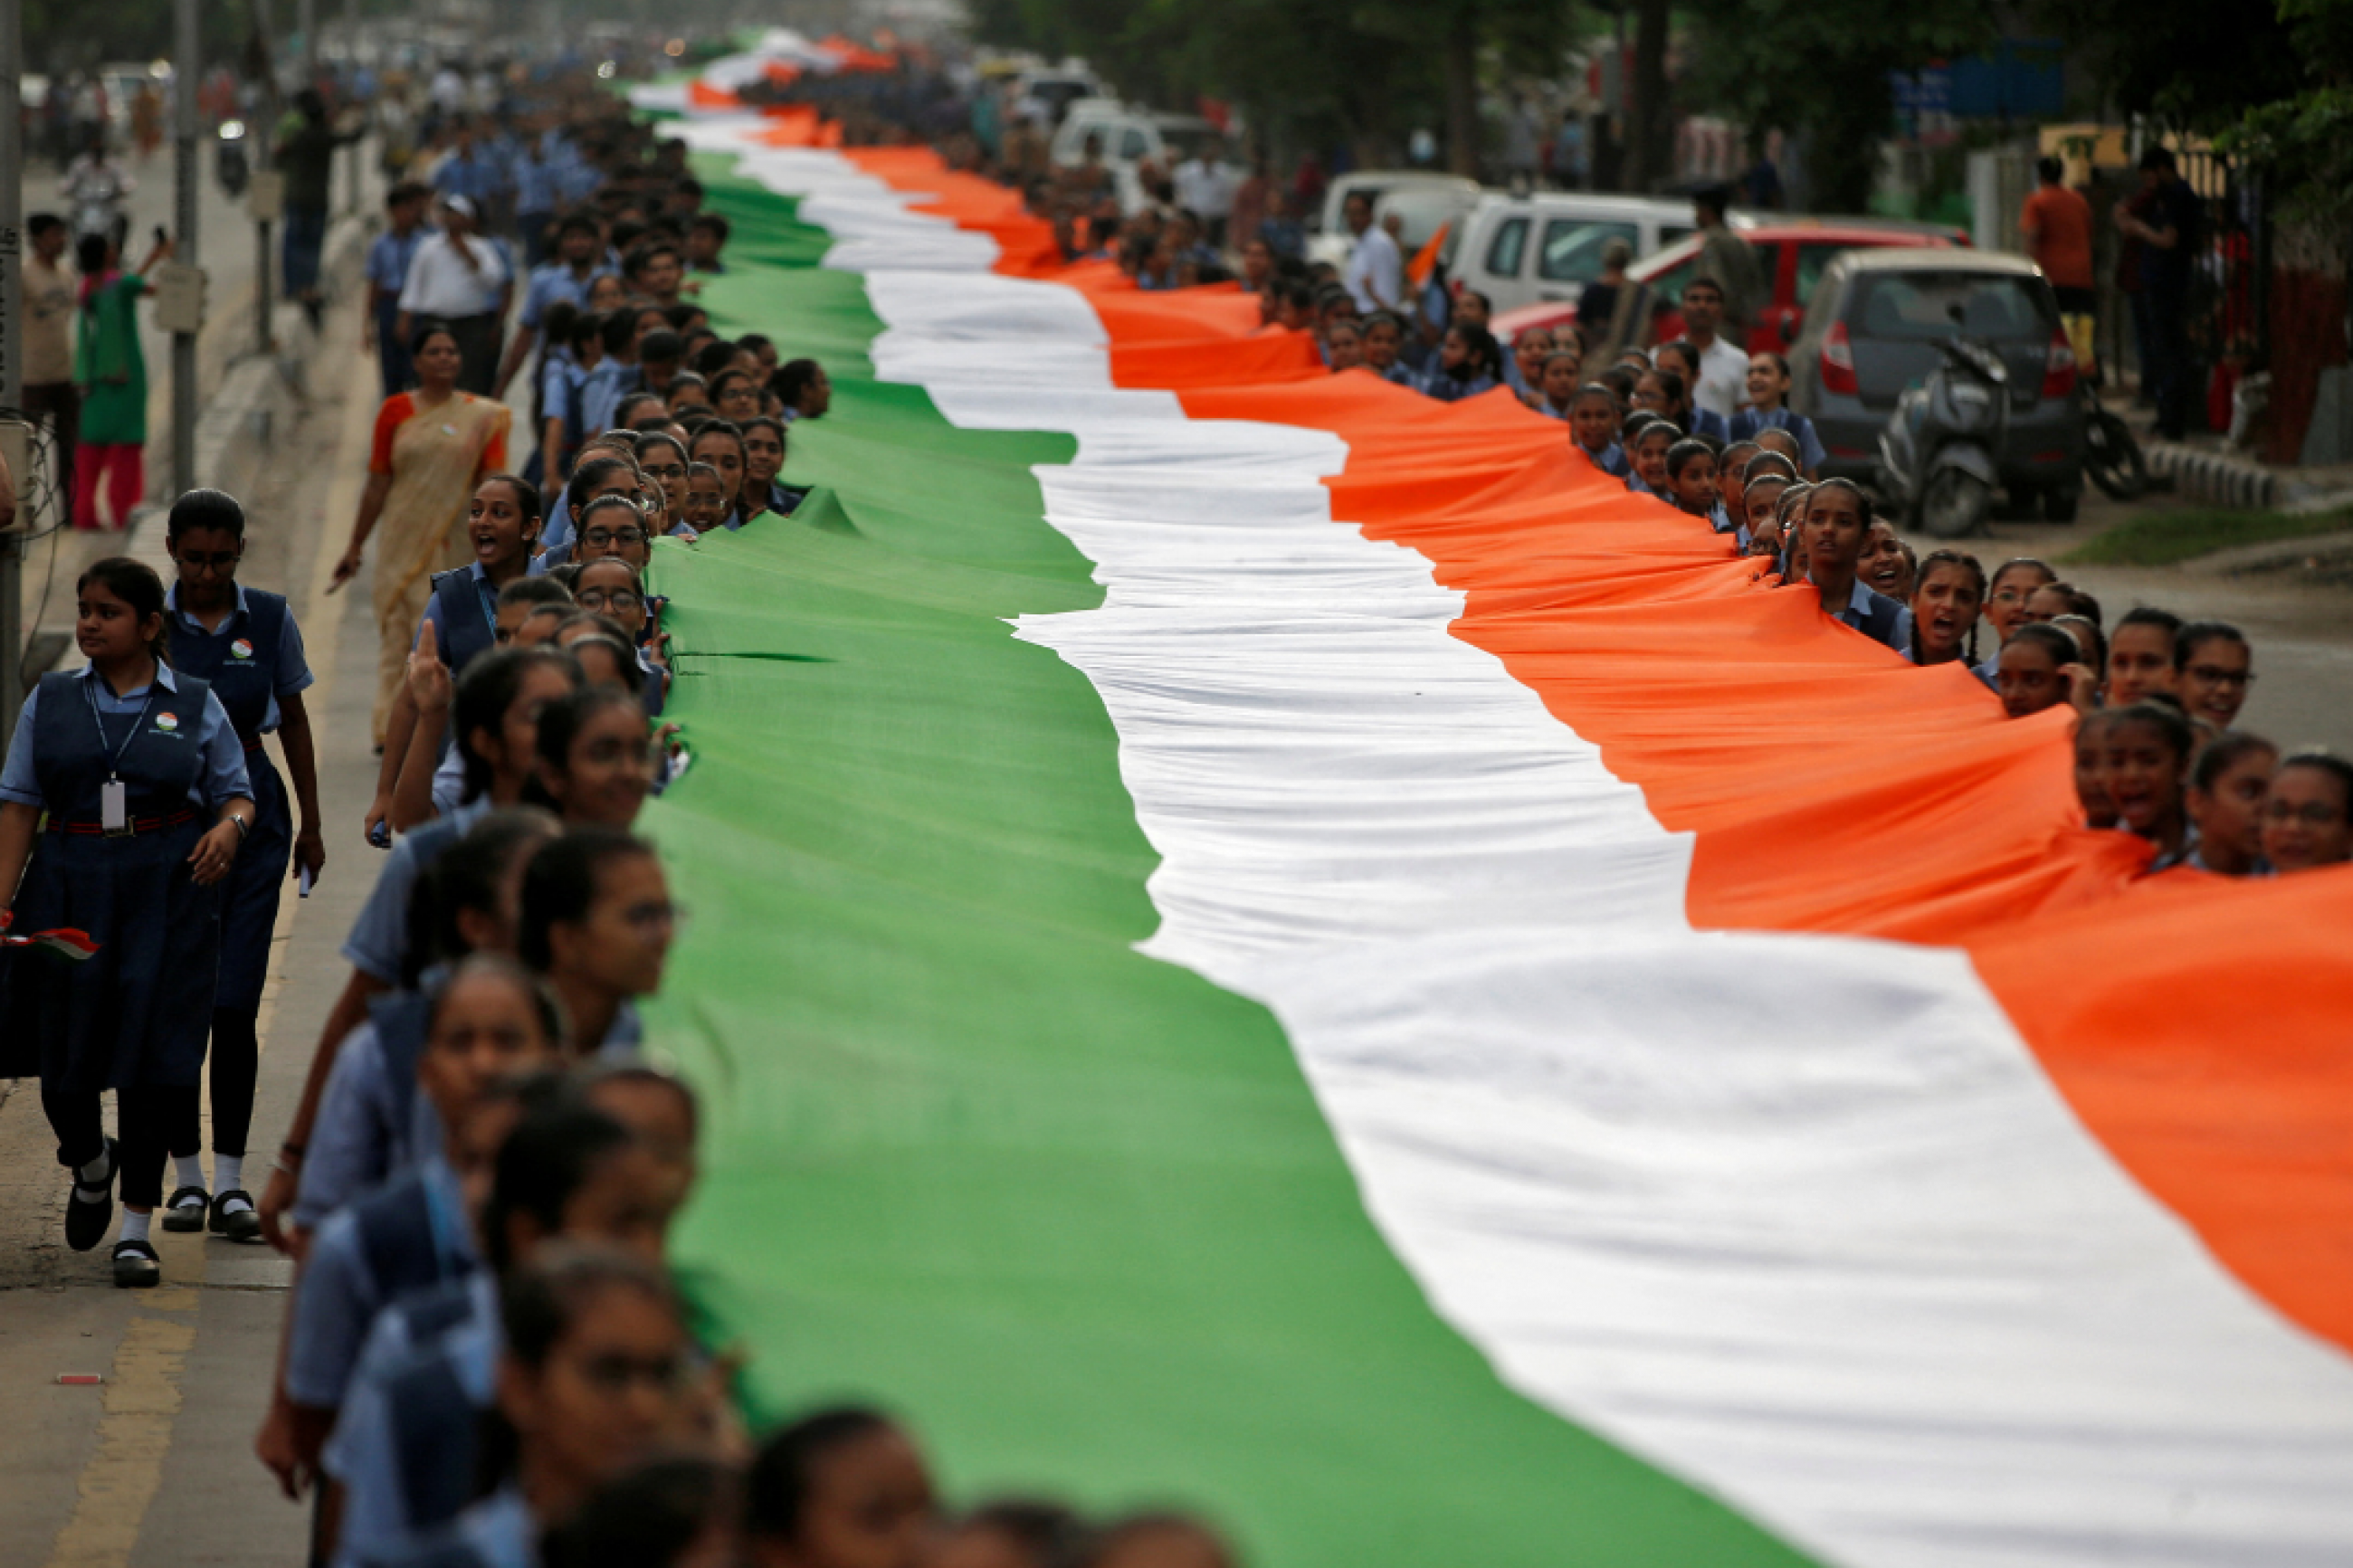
2158,698
484,1360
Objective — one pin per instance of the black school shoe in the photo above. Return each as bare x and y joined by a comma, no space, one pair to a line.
87,1221
136,1266
242,1225
178,1215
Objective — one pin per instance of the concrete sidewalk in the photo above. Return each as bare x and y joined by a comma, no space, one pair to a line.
155,1467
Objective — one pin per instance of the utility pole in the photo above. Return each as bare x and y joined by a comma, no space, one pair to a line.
267,187
12,365
351,65
188,59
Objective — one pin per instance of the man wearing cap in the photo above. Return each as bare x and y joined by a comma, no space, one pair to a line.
462,280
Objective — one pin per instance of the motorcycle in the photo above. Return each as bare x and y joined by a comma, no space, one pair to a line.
230,163
97,191
1940,455
2112,459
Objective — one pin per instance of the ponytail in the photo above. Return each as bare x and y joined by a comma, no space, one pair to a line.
135,584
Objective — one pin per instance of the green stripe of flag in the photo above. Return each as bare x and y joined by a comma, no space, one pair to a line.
1072,1211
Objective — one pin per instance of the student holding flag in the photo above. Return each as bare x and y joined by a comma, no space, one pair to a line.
147,802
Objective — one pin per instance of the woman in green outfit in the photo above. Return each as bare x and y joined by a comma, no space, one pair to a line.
113,374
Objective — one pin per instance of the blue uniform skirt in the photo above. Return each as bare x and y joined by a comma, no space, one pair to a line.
250,891
137,1014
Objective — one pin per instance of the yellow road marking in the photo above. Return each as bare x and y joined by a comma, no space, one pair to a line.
120,1481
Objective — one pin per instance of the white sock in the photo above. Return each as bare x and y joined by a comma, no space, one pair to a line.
229,1171
188,1170
134,1226
97,1171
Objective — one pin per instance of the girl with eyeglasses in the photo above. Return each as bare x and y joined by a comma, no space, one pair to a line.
246,643
611,586
2308,815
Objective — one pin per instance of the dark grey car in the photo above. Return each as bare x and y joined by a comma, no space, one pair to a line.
1871,332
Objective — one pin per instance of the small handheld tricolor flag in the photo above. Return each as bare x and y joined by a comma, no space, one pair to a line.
64,941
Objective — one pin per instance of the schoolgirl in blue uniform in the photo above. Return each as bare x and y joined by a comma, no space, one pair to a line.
244,642
126,789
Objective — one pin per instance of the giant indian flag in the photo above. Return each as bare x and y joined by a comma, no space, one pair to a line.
1263,942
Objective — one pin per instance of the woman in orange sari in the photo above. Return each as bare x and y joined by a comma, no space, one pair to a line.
432,447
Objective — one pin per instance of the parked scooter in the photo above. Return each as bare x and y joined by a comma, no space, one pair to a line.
230,163
1940,455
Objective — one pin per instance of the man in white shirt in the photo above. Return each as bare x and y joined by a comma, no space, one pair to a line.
1376,273
462,280
1723,366
1205,187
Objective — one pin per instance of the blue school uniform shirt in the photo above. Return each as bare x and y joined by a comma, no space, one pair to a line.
1446,389
340,1293
476,177
1402,374
537,183
486,594
294,671
602,389
1611,459
497,1532
364,1453
388,257
1863,608
553,281
379,937
222,778
1748,421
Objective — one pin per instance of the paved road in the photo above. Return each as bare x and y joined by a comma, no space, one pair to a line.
2302,630
228,253
154,1468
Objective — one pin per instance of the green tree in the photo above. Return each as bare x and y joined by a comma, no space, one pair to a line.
1365,72
1821,67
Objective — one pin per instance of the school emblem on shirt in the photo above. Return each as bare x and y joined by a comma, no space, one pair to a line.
240,649
168,722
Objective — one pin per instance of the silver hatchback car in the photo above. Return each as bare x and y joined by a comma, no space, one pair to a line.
1871,328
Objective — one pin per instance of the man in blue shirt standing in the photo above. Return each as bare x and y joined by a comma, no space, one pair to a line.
579,262
470,171
387,271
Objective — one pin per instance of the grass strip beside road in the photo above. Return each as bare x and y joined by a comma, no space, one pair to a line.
2167,538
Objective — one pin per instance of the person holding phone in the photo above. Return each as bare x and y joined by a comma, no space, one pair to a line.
246,644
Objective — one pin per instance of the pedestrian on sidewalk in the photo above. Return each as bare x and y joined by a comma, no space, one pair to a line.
433,447
306,157
463,283
2056,223
112,370
246,644
389,258
50,397
148,804
2168,232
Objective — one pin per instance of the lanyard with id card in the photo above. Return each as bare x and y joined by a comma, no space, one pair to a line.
113,794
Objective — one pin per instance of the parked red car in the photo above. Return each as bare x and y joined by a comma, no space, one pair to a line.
1792,254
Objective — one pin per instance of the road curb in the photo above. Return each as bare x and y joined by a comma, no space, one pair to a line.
258,392
2215,477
